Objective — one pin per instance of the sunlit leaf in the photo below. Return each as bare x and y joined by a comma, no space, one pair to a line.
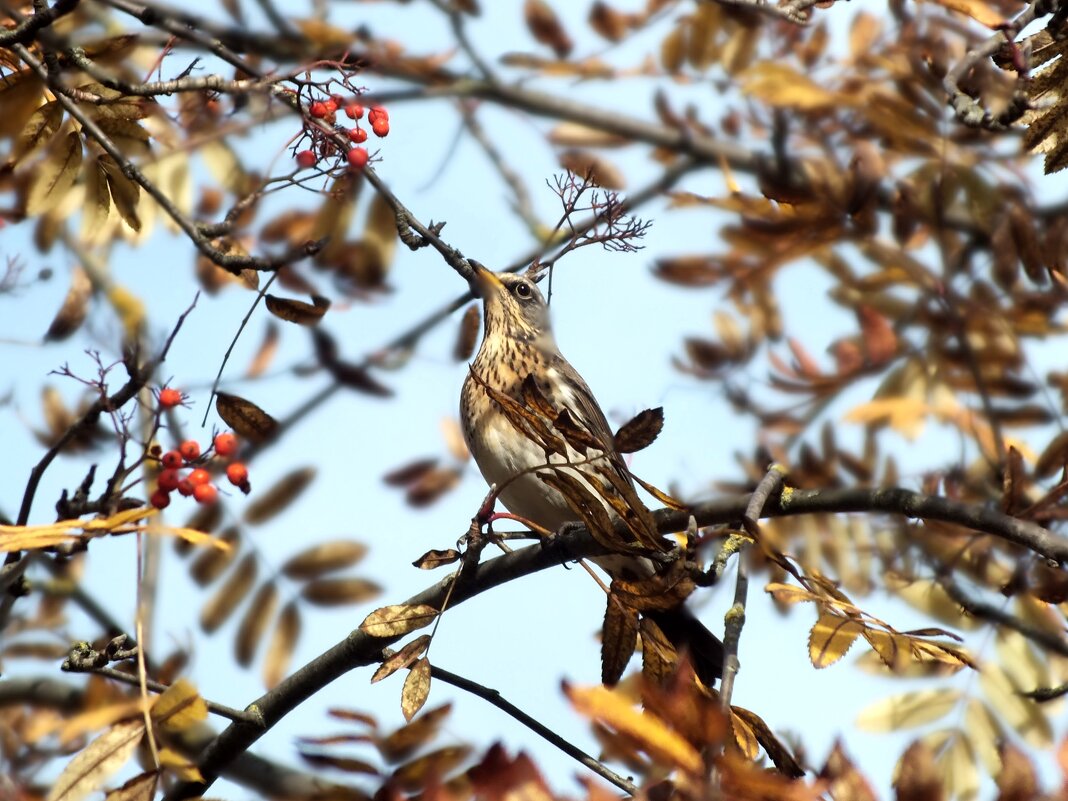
399,619
97,762
416,689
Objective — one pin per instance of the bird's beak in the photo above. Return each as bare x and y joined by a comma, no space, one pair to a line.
485,281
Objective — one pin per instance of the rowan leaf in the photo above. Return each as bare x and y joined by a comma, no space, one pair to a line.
619,637
283,643
640,431
326,557
437,558
42,125
339,591
179,707
467,334
141,787
245,417
416,689
403,742
831,637
230,595
908,710
297,311
398,619
254,623
279,495
54,177
97,762
402,658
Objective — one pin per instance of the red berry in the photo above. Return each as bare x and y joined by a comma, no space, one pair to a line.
168,479
380,127
354,111
169,398
377,113
330,105
185,488
237,473
171,460
226,444
160,499
206,493
306,159
357,134
318,109
358,158
199,476
190,450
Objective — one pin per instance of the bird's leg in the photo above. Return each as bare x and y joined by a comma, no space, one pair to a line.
560,540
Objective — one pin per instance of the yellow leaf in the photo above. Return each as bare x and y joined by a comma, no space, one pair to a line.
831,638
1024,715
779,85
182,767
789,594
977,10
53,178
127,305
931,598
97,718
179,707
98,762
190,535
903,414
416,689
650,732
960,777
42,125
141,787
984,733
908,710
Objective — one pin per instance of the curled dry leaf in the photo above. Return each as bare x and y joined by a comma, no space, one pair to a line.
297,311
74,309
325,557
402,658
245,417
416,689
279,495
436,558
432,485
398,619
283,642
339,591
619,638
640,431
467,335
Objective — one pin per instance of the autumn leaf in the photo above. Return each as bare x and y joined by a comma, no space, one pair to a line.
402,658
831,637
297,311
640,431
53,178
97,762
179,707
399,619
245,417
416,689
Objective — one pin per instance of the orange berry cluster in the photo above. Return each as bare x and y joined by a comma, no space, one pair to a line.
197,482
326,110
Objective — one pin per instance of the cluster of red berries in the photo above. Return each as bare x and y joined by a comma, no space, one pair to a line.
326,110
197,482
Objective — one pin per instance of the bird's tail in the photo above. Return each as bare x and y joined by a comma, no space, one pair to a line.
688,634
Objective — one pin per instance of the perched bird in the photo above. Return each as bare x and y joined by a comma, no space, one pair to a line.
537,433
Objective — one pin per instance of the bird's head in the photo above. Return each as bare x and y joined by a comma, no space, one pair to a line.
514,306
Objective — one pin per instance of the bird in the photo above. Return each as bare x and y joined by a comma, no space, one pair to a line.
538,435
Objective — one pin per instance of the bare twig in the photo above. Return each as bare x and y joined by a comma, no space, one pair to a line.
27,29
495,698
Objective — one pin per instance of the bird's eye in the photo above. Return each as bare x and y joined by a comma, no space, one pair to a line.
522,290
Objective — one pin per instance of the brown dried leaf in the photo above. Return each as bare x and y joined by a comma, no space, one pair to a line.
379,238
590,166
54,177
211,562
415,775
141,787
297,311
232,592
98,762
880,340
619,638
609,23
245,417
266,352
435,559
398,619
546,27
409,473
844,781
416,689
339,591
125,193
43,124
402,658
74,309
467,336
640,431
283,643
432,485
279,495
1017,780
260,612
325,557
347,764
917,777
403,742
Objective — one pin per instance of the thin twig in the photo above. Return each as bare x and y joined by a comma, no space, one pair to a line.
494,697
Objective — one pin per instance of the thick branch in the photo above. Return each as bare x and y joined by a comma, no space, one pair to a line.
359,649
